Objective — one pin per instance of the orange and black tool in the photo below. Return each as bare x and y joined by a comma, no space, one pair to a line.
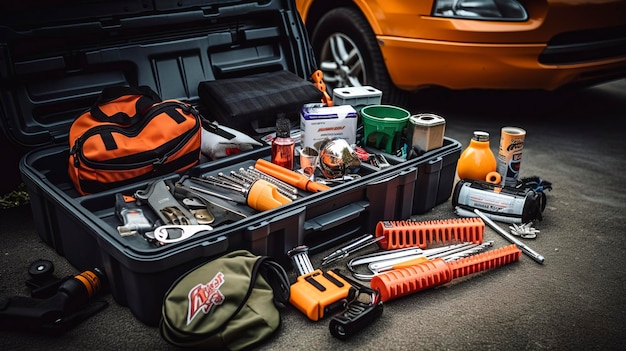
316,293
429,274
361,310
404,234
58,306
288,176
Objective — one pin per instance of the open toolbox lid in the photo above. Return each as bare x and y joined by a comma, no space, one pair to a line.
57,56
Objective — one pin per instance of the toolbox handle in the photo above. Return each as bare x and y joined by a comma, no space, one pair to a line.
436,162
337,217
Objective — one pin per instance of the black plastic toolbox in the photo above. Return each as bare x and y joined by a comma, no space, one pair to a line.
172,48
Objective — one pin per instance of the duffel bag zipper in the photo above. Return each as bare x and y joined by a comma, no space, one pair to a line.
79,157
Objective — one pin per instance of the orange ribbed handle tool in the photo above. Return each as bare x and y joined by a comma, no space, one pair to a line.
290,177
429,274
403,234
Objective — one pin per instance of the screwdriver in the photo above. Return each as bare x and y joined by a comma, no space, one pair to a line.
261,195
354,245
431,273
290,177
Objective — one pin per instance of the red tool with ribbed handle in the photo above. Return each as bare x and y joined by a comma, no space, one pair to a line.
403,234
432,273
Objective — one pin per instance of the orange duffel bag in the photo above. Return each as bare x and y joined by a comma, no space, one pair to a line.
131,135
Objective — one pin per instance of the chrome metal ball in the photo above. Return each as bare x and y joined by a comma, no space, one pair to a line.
337,158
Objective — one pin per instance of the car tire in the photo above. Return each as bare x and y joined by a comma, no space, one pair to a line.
348,55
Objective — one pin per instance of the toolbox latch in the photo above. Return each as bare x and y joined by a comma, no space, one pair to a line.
336,217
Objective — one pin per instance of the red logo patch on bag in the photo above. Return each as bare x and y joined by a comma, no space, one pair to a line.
203,297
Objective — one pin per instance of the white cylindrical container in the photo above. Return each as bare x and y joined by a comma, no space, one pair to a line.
510,154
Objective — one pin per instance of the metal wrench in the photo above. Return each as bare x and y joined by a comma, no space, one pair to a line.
167,234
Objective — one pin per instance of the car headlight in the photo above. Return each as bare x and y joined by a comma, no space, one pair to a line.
492,10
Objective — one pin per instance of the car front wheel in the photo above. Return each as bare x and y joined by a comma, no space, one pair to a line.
348,54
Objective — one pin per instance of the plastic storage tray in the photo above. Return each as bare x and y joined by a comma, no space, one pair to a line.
83,229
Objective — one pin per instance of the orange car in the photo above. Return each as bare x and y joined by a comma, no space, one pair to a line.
399,45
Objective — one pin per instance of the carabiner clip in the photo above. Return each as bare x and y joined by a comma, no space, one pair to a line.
171,233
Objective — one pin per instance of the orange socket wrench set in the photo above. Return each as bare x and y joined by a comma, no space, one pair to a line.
413,256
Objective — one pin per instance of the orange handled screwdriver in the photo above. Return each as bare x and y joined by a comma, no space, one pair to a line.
261,195
288,176
432,273
264,196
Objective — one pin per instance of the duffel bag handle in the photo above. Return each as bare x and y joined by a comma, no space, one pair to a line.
121,104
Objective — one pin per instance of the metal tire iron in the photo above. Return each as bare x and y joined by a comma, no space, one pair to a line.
180,220
527,250
318,294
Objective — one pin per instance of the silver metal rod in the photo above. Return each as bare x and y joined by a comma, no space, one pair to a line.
525,249
300,259
251,178
212,193
354,245
258,174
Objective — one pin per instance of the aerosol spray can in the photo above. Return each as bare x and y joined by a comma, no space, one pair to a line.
510,154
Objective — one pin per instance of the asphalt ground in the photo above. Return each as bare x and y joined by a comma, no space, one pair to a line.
573,301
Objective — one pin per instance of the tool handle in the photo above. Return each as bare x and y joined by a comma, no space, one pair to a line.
363,307
484,261
288,176
402,234
264,196
318,294
405,281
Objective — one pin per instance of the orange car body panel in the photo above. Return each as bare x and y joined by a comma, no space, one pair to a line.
421,50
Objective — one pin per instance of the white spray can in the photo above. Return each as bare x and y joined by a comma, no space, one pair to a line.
510,154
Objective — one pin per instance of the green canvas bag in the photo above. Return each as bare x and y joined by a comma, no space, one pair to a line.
229,303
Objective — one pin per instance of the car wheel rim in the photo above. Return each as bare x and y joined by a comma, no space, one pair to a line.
342,62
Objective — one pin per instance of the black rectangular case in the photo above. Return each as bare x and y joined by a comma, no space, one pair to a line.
55,60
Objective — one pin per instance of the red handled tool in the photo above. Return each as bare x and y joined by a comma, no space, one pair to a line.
402,234
431,273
